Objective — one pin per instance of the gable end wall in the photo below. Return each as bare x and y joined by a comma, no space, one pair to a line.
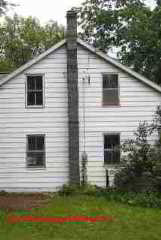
137,103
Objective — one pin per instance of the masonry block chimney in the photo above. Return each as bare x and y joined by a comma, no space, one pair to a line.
73,98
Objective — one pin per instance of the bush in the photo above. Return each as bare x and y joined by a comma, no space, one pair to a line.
127,180
87,189
141,170
146,199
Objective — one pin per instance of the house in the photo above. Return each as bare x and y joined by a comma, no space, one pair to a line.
71,104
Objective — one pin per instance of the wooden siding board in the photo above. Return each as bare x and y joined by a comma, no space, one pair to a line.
137,103
16,122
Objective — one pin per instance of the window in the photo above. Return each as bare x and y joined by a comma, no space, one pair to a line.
110,90
36,151
34,90
111,149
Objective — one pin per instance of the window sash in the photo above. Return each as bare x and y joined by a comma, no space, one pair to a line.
110,90
112,151
35,156
35,94
34,82
111,96
36,159
110,80
111,156
35,98
35,91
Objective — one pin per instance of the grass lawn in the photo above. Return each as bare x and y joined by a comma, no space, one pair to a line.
130,223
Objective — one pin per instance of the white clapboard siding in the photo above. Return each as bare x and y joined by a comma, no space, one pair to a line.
137,104
16,122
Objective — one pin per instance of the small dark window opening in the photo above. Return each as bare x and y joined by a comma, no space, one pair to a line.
34,90
36,151
110,90
112,149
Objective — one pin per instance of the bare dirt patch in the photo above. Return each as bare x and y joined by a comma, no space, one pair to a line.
11,202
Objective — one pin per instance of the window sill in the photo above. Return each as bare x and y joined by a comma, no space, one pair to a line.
35,168
111,106
35,107
116,165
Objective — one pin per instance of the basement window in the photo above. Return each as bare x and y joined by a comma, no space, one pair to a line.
34,90
111,149
110,90
35,151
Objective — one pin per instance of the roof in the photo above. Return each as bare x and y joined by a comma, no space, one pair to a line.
91,49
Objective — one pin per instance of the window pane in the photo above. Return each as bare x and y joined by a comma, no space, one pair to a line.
111,157
110,81
31,98
38,82
36,151
30,83
39,98
111,141
35,159
34,90
107,157
110,97
111,149
35,143
40,142
31,143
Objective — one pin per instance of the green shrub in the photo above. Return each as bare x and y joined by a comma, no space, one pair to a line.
128,180
3,193
144,199
141,171
72,189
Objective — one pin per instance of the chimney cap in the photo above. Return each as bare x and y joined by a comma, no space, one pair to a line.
73,11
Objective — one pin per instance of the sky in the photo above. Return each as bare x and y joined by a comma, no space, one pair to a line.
45,10
49,9
52,10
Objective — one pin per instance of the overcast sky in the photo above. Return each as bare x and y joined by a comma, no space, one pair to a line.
46,10
49,9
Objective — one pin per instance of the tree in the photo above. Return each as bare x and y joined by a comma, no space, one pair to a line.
129,25
4,6
24,38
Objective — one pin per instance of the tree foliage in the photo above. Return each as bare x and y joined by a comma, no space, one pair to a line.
24,38
142,159
4,5
129,25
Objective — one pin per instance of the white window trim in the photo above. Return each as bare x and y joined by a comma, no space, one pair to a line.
112,73
43,88
116,165
36,167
